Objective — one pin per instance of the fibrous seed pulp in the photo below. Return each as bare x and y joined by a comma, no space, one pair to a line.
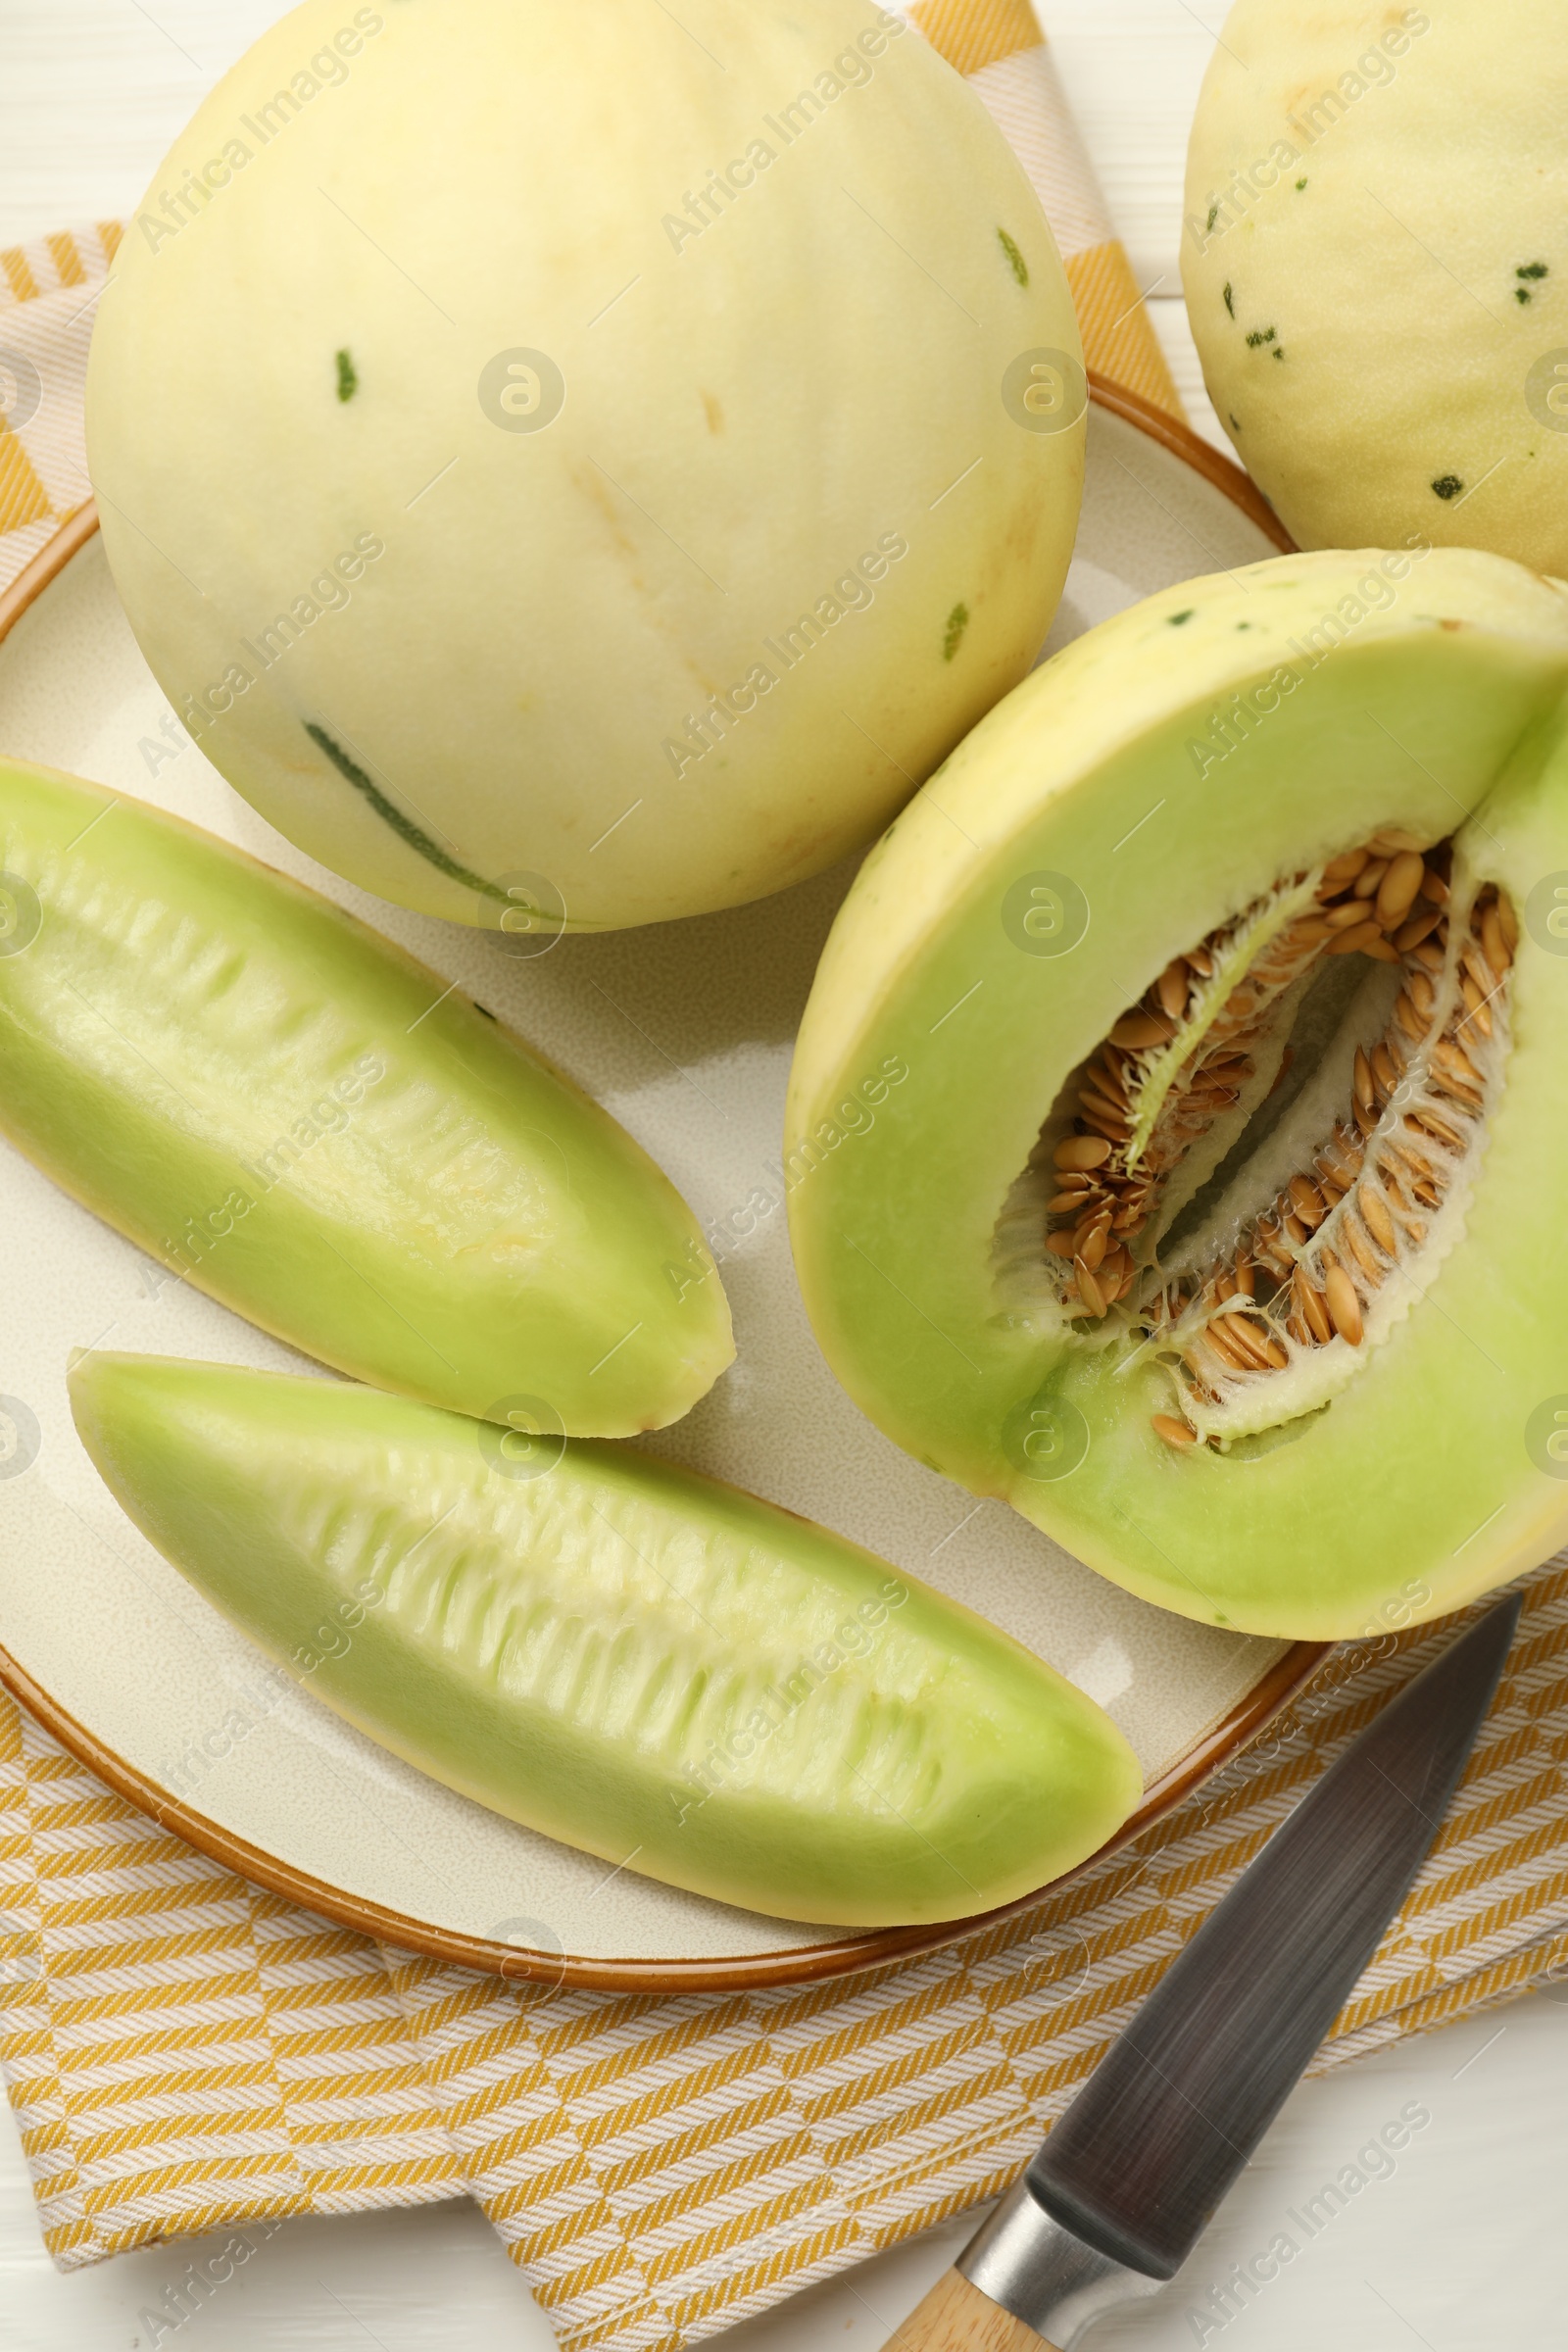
1265,1307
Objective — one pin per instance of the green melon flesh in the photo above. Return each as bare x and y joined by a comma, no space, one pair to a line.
292,1114
1176,765
638,1661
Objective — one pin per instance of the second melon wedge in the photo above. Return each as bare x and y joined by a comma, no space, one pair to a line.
635,1660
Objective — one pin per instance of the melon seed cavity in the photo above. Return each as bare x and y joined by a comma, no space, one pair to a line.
1258,1251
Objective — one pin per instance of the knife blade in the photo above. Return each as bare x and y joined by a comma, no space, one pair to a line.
1117,2196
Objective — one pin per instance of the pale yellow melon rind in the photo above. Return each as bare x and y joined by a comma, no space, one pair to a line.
1097,700
757,420
1376,272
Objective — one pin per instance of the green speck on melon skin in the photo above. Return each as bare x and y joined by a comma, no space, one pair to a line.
957,622
1016,262
1438,353
347,382
530,789
402,826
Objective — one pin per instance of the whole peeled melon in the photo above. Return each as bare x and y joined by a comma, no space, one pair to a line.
1376,264
581,465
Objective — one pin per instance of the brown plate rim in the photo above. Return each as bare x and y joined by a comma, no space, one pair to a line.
807,1964
1177,436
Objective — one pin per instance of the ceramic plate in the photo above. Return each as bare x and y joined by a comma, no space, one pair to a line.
684,1032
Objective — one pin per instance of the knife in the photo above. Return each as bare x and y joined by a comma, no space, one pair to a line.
1114,2202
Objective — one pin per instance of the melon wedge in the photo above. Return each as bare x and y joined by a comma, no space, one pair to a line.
638,1661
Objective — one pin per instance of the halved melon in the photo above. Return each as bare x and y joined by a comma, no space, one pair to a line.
1216,1223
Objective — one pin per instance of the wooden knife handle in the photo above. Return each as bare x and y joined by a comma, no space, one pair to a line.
956,2316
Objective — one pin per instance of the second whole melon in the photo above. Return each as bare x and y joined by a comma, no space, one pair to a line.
572,468
1376,270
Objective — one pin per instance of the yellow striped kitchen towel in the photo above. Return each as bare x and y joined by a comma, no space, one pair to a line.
185,2052
48,291
998,47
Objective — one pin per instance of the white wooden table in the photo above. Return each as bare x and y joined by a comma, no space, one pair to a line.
1453,2250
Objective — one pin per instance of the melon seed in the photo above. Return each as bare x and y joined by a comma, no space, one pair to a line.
1355,940
1100,1101
1307,1199
1173,988
1379,1223
1391,841
1138,1030
1344,1306
1397,888
1226,1349
1309,1306
1175,1433
1412,933
1242,1338
1082,1151
1477,1011
1453,1058
1360,1252
1089,1291
1472,961
1090,1248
